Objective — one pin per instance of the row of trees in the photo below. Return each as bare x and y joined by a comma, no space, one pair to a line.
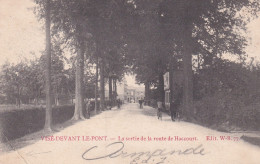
151,36
190,36
148,37
24,82
88,28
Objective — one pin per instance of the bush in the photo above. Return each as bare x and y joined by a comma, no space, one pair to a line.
223,109
226,95
17,123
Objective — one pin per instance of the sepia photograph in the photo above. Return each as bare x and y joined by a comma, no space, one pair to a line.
129,81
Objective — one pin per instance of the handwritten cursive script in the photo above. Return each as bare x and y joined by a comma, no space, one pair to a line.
145,156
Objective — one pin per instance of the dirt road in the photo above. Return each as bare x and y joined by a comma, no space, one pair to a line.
133,136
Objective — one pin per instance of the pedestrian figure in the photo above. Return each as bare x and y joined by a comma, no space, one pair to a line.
175,105
141,101
159,110
118,101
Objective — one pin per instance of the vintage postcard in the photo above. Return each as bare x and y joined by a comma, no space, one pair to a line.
129,81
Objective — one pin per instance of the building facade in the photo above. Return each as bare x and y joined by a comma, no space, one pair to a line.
127,93
133,94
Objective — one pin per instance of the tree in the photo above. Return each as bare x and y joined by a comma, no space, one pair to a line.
204,27
107,24
48,115
147,35
96,85
14,82
70,23
36,80
152,46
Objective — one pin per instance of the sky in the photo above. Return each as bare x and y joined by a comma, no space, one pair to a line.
253,49
21,33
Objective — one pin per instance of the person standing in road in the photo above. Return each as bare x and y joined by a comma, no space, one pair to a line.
118,101
159,110
140,103
177,100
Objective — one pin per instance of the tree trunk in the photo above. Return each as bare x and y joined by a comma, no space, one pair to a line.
171,89
115,89
16,102
56,97
48,115
187,71
147,91
96,86
57,103
161,87
18,99
110,92
79,90
102,86
38,96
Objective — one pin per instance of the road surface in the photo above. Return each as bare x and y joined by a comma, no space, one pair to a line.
134,136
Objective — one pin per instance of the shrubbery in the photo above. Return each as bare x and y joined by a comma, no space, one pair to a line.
227,96
223,111
17,123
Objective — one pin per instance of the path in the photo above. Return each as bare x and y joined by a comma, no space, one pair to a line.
132,123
